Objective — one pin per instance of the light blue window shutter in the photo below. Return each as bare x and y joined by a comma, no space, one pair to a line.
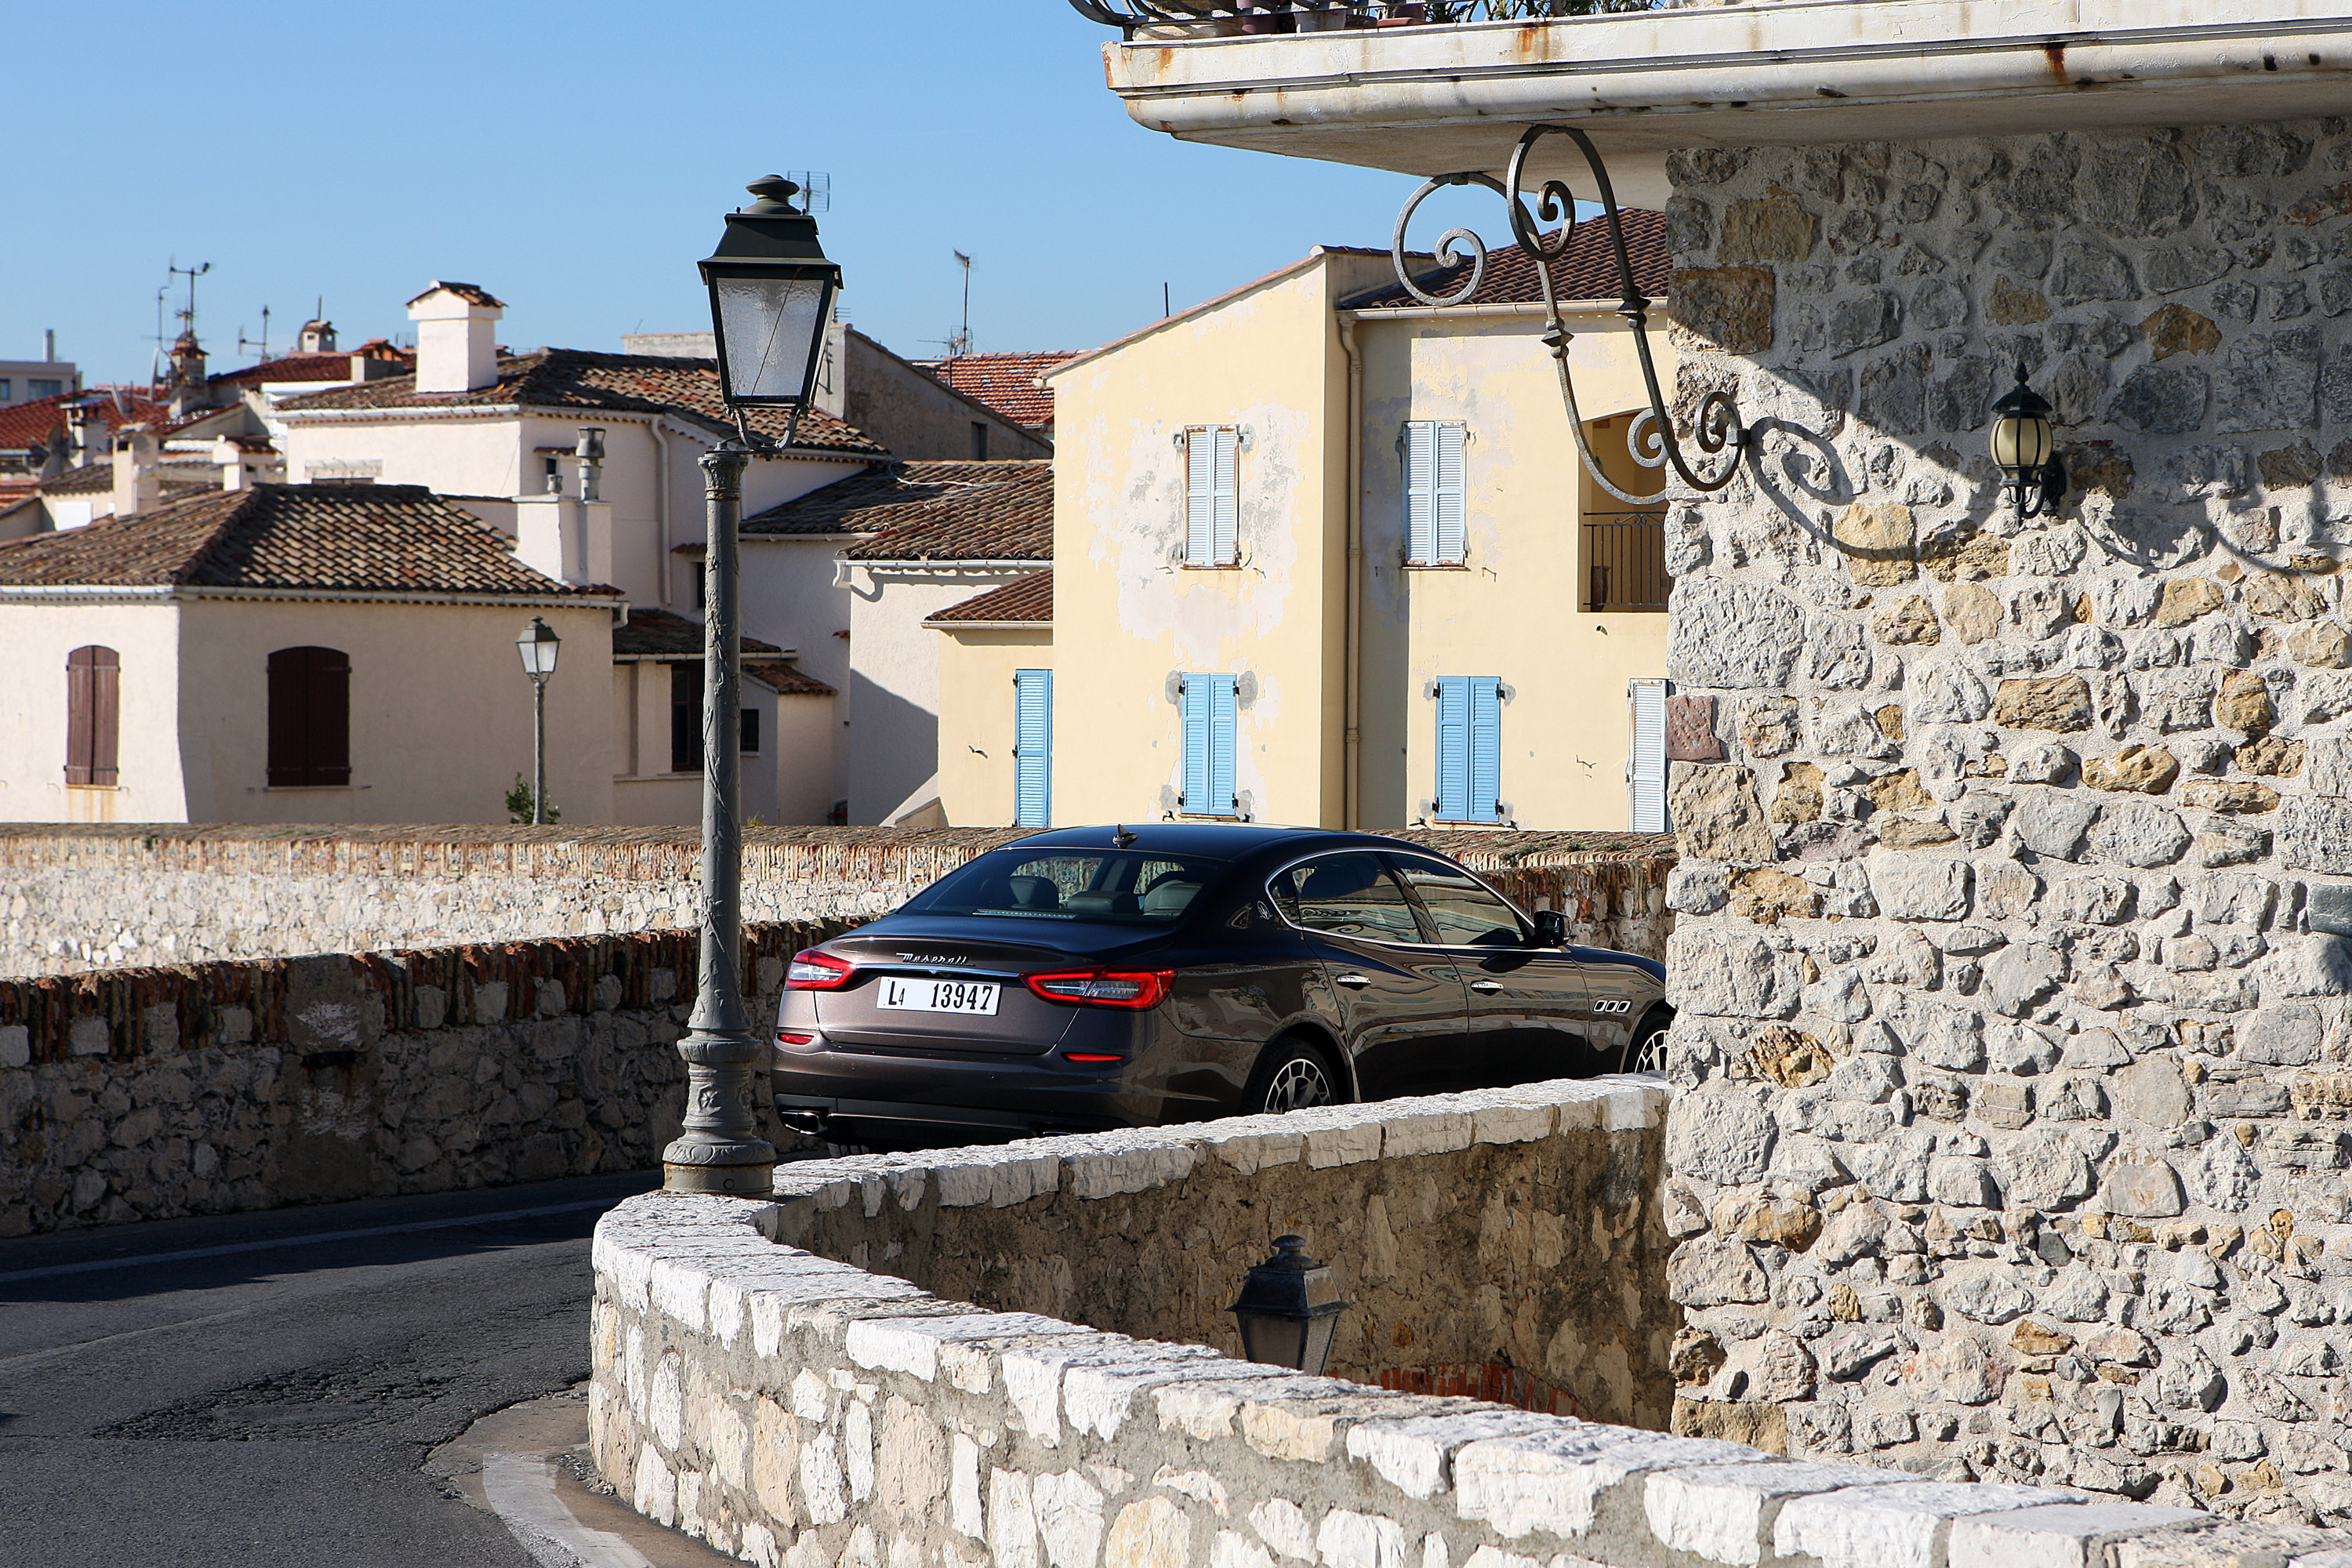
1223,719
1200,496
1195,712
1452,487
1226,522
1452,748
1645,761
1485,749
1419,490
1033,748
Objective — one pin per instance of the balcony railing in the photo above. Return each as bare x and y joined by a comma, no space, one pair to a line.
1202,17
1625,560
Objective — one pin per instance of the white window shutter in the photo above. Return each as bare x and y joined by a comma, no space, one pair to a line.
1225,527
1452,493
1645,763
1200,496
1419,491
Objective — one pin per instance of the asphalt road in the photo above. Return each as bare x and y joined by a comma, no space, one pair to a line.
255,1390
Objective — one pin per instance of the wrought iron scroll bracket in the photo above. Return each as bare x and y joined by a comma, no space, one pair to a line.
1651,441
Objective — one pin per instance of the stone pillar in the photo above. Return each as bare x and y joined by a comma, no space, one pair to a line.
2013,1028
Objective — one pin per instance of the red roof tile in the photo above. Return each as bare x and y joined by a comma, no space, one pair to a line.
1589,270
1006,382
657,633
1028,600
395,539
1000,511
32,424
577,378
292,367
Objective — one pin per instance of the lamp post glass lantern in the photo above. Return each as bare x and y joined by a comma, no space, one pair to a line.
1289,1309
539,645
2026,450
771,300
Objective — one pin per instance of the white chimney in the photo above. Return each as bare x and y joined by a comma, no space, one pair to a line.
457,337
137,482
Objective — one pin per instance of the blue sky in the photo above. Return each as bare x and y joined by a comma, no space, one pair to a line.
574,159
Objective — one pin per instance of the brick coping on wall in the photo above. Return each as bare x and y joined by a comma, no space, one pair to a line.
1036,1428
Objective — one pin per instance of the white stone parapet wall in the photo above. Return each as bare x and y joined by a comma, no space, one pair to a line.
793,1409
2013,986
74,898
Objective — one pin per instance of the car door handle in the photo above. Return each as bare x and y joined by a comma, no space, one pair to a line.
1488,986
1356,981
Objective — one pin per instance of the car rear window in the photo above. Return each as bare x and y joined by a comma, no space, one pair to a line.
1102,886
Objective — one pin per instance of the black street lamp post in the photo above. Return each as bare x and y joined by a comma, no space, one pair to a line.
771,299
539,645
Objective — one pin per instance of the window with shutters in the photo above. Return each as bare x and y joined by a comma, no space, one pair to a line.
1469,748
1646,757
310,718
1435,492
93,716
1033,748
1211,714
1212,504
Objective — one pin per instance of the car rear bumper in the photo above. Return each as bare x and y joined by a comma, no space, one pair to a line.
993,1096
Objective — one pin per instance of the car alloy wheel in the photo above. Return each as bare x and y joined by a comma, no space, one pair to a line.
1299,1082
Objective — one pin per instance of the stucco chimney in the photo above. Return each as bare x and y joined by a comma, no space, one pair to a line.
457,337
137,483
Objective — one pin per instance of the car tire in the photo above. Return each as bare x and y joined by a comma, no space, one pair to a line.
1291,1075
1646,1051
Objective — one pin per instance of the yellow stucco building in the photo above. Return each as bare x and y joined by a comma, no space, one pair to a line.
1324,554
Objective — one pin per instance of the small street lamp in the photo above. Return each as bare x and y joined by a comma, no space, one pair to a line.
539,645
771,300
2026,450
1289,1309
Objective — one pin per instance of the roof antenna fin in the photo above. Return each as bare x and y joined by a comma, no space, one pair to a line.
1120,837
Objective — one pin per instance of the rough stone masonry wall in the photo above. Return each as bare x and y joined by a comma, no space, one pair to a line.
1530,1215
2012,990
78,899
146,1094
798,1410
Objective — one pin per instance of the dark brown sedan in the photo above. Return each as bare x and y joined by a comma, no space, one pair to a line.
1100,977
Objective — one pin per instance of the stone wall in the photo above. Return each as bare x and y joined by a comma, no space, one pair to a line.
1505,1207
76,899
2013,989
798,1410
148,1094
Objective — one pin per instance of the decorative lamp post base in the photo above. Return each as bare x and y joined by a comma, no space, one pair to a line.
718,1150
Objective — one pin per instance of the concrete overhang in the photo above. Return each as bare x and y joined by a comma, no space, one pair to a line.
1441,99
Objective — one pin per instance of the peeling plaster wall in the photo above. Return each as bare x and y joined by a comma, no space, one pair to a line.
2013,1019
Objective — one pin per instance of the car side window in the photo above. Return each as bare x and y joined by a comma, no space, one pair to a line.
1465,912
1351,895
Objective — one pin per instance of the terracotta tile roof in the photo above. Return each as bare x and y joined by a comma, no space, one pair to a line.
1588,271
292,367
627,383
999,510
355,538
785,678
1004,382
657,633
32,424
1027,599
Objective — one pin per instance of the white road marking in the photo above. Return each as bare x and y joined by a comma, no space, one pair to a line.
522,1488
308,1239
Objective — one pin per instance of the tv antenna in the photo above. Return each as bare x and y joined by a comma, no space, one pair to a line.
243,343
816,189
188,315
961,343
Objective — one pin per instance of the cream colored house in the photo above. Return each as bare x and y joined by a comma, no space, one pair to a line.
292,654
657,680
996,706
1325,554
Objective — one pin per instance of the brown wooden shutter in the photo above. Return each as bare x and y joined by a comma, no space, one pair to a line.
310,718
93,715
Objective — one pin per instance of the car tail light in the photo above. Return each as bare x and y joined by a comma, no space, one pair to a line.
795,1039
1092,1057
815,970
1135,989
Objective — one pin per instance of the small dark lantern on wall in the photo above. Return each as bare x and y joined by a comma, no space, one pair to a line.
2026,450
1289,1309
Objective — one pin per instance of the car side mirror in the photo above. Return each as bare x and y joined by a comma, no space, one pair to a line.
1552,929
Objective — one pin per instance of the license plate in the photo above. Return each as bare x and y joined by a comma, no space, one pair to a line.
975,996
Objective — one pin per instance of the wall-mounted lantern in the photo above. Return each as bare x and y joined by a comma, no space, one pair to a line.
1289,1309
2026,450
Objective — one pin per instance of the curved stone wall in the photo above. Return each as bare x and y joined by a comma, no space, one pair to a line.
800,1410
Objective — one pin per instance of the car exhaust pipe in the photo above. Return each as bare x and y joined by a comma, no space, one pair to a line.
812,1123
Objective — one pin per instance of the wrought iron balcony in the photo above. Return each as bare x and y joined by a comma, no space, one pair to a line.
1236,18
1625,556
